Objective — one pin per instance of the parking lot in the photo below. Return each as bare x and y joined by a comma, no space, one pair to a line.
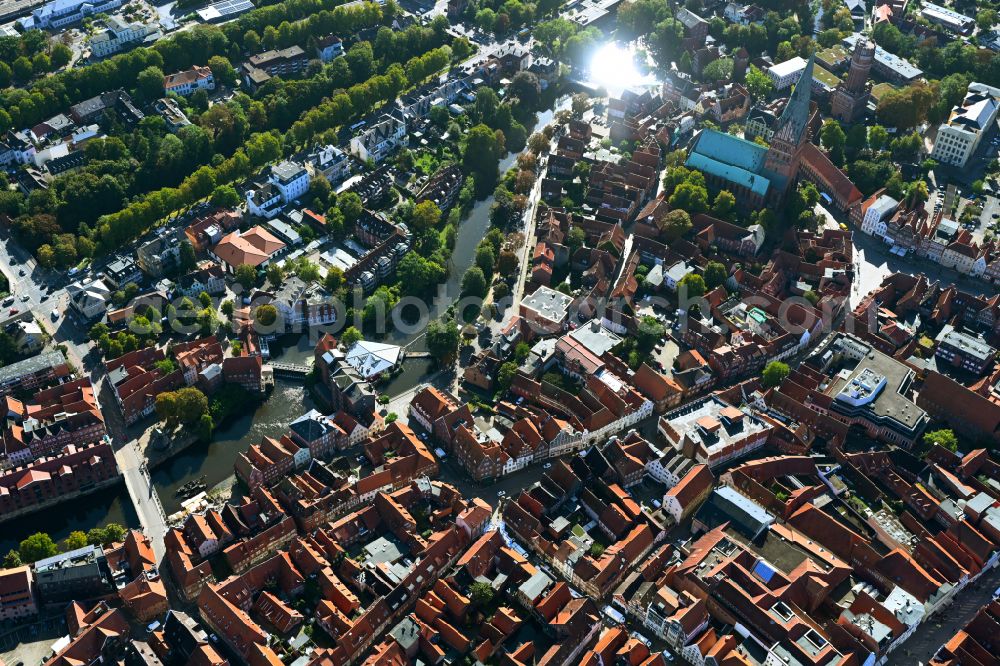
31,644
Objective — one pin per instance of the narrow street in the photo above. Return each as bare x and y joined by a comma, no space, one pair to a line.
937,631
530,218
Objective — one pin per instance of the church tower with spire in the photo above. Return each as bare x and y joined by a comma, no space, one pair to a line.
790,135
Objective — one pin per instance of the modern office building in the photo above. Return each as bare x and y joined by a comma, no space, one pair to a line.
965,351
959,137
75,575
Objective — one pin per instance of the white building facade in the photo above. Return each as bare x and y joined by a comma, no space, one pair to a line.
958,139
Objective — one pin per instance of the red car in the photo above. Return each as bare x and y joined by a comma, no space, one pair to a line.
14,311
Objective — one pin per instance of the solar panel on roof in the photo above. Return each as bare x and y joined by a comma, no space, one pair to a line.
763,571
227,8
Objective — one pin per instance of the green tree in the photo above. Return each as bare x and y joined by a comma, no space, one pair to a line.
474,283
538,143
246,275
907,107
350,337
97,331
522,351
115,532
228,307
425,215
480,156
507,263
833,138
986,19
274,274
225,196
506,374
485,259
266,315
36,547
23,71
442,340
417,274
649,333
185,405
306,270
526,88
774,374
718,70
674,224
828,38
222,70
205,427
917,194
334,279
690,197
188,260
693,285
166,366
724,205
149,83
481,594
944,437
350,206
60,55
758,83
686,63
46,256
76,539
12,560
319,191
103,536
878,137
715,274
857,138
485,19
335,223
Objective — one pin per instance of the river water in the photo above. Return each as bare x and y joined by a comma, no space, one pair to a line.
111,505
289,400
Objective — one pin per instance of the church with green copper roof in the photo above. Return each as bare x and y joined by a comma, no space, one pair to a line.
758,175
